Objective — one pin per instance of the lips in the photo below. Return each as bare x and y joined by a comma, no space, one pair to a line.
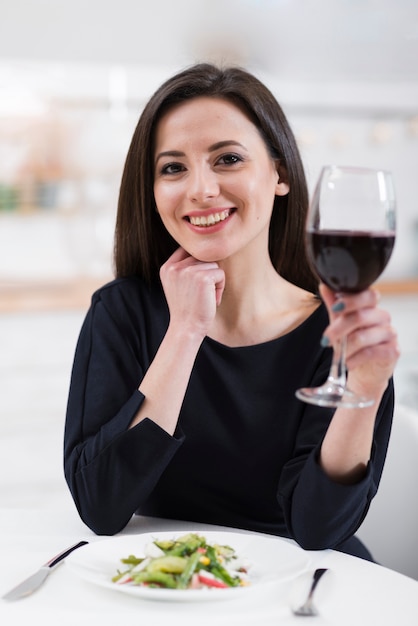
210,219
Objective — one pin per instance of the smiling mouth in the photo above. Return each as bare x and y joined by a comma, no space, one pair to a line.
210,220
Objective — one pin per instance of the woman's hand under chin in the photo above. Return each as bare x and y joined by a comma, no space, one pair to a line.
193,290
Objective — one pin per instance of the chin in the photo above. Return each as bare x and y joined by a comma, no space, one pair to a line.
208,257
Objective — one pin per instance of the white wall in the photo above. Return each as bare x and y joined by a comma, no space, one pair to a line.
345,73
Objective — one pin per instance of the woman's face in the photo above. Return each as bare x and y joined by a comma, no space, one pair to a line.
214,180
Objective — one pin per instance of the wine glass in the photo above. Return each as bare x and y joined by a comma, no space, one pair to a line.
350,235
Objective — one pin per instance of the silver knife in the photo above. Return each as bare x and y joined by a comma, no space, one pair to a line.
32,583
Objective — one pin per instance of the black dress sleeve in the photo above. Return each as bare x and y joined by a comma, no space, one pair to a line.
109,468
321,513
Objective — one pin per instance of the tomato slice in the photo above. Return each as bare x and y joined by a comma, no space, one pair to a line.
212,582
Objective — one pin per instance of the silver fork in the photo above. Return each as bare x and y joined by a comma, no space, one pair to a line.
308,608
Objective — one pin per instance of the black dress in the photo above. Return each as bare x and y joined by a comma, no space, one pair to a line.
244,453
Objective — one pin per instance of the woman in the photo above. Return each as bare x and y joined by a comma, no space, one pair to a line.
182,399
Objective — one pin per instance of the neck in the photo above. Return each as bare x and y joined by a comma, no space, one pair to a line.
247,281
258,304
251,295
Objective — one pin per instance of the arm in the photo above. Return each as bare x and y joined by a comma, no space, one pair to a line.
113,454
321,512
327,487
193,289
372,353
109,469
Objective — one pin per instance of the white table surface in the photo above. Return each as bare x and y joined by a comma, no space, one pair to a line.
356,592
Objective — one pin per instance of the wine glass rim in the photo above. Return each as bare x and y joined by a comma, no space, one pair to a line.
356,168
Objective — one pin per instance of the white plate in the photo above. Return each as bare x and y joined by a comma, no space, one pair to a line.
272,560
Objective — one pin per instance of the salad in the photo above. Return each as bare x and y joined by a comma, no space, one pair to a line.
188,562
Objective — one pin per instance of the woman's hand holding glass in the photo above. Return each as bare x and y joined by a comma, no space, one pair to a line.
371,342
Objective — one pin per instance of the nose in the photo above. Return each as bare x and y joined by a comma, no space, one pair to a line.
203,185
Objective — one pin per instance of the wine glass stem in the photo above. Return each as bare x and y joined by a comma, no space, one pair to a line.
337,375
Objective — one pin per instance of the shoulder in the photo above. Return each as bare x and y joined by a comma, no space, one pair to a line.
310,311
313,325
128,289
318,317
130,296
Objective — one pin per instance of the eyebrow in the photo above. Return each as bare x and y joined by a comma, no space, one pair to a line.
216,146
223,144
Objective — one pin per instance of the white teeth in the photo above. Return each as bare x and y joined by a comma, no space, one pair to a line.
211,219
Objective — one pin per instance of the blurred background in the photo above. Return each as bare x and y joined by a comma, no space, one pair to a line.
74,76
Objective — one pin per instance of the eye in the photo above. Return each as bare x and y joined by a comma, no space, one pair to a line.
172,168
230,159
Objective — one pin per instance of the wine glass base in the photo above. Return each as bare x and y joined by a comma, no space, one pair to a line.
333,396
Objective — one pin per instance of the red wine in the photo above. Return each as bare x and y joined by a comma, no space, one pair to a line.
349,261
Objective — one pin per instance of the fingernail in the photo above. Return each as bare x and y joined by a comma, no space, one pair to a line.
324,341
338,306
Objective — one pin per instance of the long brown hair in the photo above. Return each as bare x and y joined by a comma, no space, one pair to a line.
142,244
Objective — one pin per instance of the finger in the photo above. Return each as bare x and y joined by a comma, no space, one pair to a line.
180,261
213,276
366,340
345,302
178,255
355,324
382,356
360,318
219,287
198,274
